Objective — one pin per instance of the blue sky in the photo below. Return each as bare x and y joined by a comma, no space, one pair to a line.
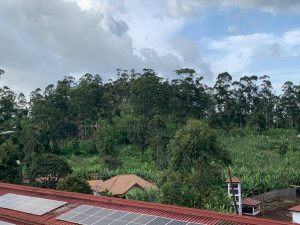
42,41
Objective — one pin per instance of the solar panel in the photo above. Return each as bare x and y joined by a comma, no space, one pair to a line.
27,204
90,215
5,223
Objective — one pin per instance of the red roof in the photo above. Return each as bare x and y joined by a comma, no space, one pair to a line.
250,201
234,180
295,208
76,199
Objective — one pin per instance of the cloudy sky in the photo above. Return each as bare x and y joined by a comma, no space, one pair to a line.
42,41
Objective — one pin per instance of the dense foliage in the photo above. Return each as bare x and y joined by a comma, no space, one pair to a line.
74,183
9,168
180,134
47,170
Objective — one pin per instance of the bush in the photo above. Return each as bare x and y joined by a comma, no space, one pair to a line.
46,170
69,147
111,162
73,183
9,168
144,195
87,147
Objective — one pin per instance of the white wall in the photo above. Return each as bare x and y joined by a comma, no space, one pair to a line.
296,217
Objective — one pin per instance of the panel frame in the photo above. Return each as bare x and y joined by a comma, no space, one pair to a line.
28,204
136,221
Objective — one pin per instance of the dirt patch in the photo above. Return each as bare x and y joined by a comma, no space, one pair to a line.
278,208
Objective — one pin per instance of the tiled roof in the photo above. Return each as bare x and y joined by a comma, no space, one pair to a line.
121,184
295,209
76,199
234,180
96,185
250,201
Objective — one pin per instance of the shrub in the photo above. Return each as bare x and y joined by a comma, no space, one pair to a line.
47,169
73,183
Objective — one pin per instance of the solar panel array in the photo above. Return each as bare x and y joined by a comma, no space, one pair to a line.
5,223
90,215
32,205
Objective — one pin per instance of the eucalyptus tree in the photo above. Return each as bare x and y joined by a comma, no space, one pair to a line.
223,99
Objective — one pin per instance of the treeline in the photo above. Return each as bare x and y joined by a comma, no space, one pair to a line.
73,108
139,105
172,119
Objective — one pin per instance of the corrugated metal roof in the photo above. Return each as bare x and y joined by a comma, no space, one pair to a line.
76,199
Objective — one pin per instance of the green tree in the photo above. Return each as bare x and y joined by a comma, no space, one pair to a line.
9,168
158,140
106,142
197,161
73,183
47,170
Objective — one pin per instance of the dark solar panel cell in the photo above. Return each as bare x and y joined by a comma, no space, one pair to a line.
143,219
67,216
93,210
90,220
130,217
104,212
104,222
81,208
78,218
116,215
176,222
159,221
119,222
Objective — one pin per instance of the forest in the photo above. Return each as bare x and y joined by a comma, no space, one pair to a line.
180,134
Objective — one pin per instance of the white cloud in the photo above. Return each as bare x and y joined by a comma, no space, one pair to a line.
238,53
183,8
44,40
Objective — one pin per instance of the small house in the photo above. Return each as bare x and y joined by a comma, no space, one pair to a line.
250,206
234,191
120,185
295,214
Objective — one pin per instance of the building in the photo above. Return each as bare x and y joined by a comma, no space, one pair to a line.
120,185
250,206
295,214
246,206
235,191
70,210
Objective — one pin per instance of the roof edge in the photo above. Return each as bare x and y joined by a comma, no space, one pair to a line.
147,205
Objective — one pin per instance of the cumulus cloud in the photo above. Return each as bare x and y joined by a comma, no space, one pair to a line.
179,8
238,53
41,41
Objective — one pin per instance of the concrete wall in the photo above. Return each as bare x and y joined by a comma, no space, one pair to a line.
280,193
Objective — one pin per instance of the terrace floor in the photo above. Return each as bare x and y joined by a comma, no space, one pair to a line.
278,208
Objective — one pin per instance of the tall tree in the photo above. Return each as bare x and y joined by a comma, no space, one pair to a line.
9,167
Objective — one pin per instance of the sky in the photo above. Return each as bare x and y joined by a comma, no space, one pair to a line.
43,41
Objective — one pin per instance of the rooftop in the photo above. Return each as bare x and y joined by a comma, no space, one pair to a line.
75,199
121,184
295,208
250,202
234,180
